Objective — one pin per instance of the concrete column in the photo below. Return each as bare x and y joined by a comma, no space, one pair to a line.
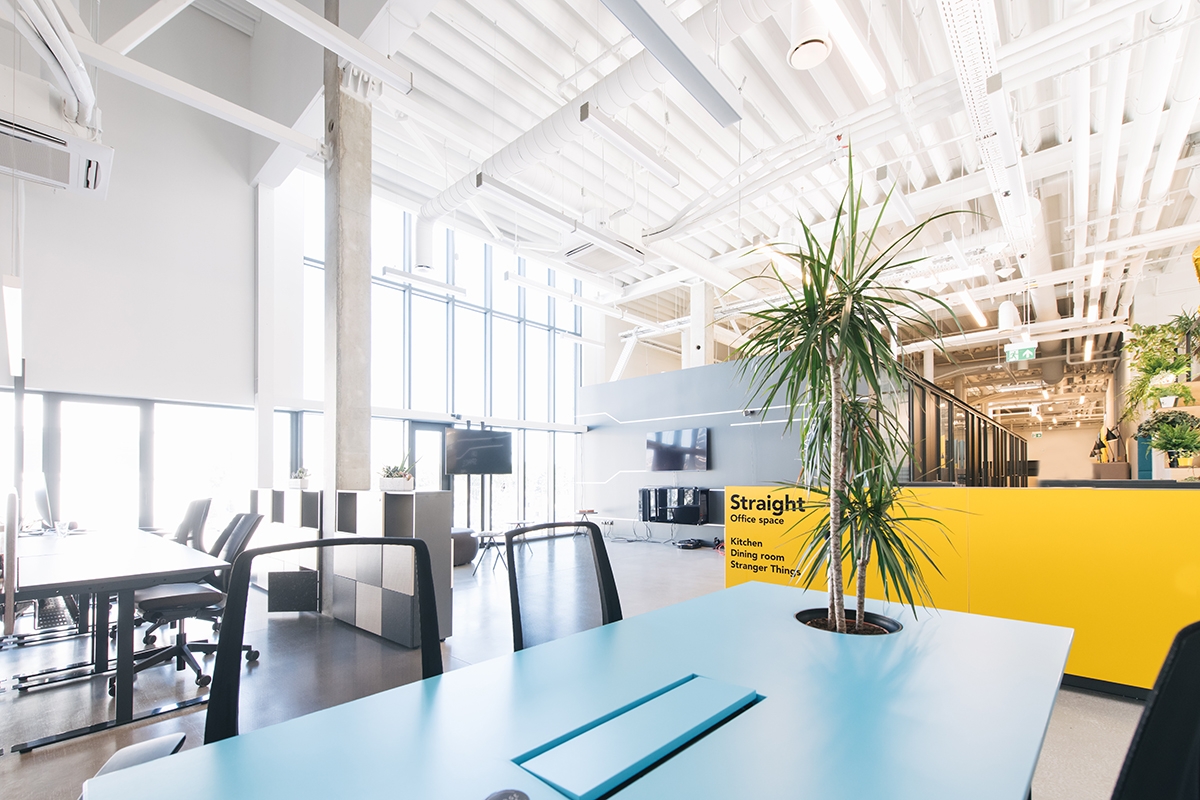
264,336
700,331
348,93
960,387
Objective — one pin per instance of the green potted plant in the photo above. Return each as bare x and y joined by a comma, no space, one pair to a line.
1170,394
397,478
825,353
1155,363
1151,424
1177,441
299,479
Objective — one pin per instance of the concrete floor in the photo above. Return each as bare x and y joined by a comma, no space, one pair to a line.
323,663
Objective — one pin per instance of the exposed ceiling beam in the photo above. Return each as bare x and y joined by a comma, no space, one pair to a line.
145,24
300,19
135,72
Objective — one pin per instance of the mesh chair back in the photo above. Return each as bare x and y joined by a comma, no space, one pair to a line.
191,528
222,719
559,580
235,544
217,546
1163,760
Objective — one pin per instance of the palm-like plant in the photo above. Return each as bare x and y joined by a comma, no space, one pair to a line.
830,338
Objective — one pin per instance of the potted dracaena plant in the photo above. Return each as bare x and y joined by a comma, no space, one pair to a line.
825,353
398,478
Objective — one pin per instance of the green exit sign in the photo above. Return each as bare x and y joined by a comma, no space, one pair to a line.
1037,434
1022,351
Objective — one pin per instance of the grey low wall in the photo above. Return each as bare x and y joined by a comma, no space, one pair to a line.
743,450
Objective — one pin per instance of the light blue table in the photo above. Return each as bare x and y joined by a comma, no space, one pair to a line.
955,706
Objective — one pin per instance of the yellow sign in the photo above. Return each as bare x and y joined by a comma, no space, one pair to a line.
766,527
761,532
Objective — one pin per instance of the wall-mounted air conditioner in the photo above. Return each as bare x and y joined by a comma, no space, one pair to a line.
37,143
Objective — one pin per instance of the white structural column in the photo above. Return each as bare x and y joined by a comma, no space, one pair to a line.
700,332
348,93
264,336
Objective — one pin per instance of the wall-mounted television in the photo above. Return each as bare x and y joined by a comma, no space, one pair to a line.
677,451
476,452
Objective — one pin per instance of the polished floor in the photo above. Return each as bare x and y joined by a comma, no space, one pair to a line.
310,662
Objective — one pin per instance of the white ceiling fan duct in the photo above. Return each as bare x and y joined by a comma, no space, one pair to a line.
618,90
809,40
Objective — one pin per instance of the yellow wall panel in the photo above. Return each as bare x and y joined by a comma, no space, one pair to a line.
1120,566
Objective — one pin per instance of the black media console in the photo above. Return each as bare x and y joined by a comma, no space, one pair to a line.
682,505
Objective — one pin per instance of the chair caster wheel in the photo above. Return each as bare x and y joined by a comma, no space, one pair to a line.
252,656
203,680
149,639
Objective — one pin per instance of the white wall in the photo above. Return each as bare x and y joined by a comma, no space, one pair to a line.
150,293
1161,297
1064,453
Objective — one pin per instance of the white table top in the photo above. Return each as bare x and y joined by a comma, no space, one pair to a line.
105,561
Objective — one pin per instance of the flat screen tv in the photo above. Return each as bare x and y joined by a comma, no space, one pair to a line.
473,452
676,451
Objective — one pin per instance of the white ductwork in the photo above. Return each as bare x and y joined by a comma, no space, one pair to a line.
1148,106
1179,123
621,88
1081,136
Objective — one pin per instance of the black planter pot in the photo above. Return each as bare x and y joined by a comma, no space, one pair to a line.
887,623
1172,459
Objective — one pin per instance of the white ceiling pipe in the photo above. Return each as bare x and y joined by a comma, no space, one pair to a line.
81,85
1111,129
1081,137
1045,334
75,70
621,88
1148,105
18,20
1179,122
1059,34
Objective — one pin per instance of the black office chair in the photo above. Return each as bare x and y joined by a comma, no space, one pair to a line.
142,752
1163,760
558,583
177,602
222,719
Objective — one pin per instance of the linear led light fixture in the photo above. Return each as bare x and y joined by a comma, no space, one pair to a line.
575,337
618,247
420,280
535,208
973,307
895,195
584,302
1087,349
628,143
845,37
661,33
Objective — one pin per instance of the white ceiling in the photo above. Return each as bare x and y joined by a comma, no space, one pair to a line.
1103,102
